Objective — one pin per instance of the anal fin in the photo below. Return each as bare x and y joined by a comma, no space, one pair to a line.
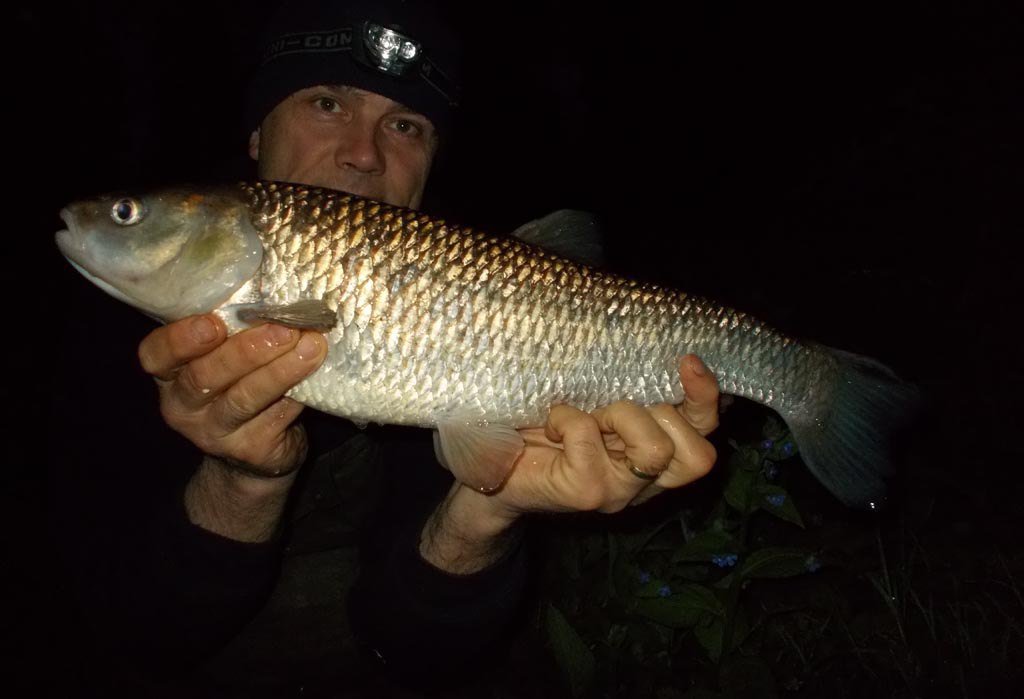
480,456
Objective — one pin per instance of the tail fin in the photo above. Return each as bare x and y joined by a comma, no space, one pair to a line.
846,445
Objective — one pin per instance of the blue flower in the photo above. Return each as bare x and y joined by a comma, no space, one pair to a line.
770,470
812,564
776,500
788,448
725,560
664,591
645,577
767,444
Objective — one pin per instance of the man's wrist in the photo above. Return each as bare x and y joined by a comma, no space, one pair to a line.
468,532
236,504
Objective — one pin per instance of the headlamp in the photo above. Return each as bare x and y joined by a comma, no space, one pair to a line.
387,50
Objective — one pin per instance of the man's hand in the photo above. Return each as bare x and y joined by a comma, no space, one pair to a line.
581,462
226,396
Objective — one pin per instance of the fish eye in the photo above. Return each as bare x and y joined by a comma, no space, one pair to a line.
127,212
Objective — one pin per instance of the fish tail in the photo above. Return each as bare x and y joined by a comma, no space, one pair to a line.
845,440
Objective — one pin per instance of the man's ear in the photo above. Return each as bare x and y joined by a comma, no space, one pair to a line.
254,144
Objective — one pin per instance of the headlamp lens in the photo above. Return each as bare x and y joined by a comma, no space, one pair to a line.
389,51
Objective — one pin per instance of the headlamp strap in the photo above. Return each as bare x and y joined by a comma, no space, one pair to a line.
373,45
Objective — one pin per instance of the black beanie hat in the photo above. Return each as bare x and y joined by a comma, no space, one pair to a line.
320,42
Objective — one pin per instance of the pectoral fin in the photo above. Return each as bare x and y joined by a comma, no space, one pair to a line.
304,315
480,456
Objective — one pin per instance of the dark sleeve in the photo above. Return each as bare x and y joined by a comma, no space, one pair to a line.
422,623
161,591
142,585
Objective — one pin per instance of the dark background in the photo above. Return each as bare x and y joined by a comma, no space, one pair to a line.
849,171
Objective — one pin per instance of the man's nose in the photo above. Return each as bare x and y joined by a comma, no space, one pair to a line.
360,151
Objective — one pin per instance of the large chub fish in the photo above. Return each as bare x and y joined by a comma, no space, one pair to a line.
437,325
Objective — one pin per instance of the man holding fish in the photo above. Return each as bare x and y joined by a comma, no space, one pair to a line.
364,110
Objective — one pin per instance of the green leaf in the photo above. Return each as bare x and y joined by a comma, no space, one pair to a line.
741,629
617,635
683,609
710,633
635,541
627,575
650,588
775,429
745,457
726,582
738,490
694,572
769,497
573,656
775,562
705,545
709,636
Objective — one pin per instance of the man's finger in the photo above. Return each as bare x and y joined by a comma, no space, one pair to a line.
168,348
693,456
646,446
257,390
577,432
700,407
203,380
271,440
647,493
584,476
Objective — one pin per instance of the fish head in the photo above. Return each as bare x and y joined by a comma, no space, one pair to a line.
171,254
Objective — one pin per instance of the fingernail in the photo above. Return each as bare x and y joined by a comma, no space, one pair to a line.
280,335
203,330
698,366
309,346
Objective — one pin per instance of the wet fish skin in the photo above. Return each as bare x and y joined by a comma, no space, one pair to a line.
476,334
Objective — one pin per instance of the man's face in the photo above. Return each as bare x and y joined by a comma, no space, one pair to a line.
344,138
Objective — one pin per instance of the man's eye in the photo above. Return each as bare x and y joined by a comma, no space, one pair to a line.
407,127
327,104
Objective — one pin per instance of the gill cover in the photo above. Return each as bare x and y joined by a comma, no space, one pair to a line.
170,254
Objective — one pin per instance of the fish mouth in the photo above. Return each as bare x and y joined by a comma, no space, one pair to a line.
71,243
68,240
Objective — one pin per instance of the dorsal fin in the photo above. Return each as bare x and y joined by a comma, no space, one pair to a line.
572,234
